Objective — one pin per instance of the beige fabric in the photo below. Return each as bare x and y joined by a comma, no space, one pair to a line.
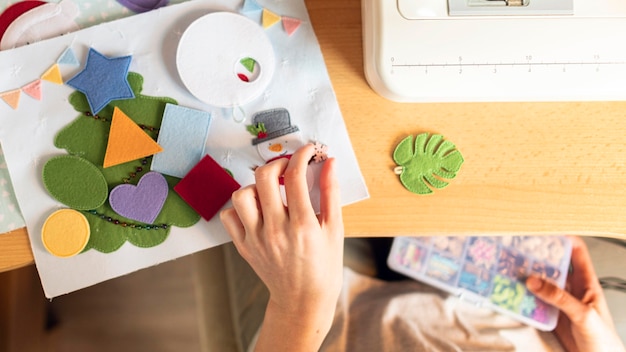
231,300
374,315
249,296
371,315
213,300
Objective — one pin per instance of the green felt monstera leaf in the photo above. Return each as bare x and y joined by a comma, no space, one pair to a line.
427,163
86,138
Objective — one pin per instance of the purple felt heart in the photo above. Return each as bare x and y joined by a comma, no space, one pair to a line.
140,6
142,202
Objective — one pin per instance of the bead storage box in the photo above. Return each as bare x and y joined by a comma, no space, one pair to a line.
488,271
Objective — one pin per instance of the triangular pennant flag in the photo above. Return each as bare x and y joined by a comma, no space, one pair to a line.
68,58
269,18
33,89
290,24
12,98
248,63
250,6
127,141
53,75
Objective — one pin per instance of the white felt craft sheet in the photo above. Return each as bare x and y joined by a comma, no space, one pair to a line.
299,84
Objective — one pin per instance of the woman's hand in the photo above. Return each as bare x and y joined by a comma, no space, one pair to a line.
298,255
585,323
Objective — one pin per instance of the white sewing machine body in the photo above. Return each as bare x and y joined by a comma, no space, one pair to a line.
490,50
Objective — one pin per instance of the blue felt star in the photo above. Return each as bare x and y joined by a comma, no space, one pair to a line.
103,80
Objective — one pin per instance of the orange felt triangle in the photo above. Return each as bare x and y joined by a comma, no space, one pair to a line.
127,141
12,98
290,24
33,89
53,75
269,18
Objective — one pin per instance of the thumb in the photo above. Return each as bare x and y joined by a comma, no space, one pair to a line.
561,299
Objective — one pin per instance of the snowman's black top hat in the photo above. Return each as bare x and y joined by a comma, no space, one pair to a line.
277,123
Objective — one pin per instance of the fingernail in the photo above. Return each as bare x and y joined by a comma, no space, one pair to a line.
534,283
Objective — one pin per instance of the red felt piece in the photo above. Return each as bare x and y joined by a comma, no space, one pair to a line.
243,77
207,187
14,11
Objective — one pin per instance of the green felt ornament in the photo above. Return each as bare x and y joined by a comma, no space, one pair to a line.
75,182
87,137
257,130
248,63
427,163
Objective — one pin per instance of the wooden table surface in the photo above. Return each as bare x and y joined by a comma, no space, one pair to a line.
530,168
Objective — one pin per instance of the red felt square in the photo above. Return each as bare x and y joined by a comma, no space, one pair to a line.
207,187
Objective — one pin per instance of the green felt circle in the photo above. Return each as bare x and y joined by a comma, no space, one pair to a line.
75,182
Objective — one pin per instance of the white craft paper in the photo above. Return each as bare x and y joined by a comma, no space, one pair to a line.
300,84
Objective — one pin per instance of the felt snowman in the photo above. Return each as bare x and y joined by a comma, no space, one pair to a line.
276,137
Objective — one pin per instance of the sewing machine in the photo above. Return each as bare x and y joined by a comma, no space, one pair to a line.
495,50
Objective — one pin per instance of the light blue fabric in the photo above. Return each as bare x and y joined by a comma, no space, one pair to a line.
182,136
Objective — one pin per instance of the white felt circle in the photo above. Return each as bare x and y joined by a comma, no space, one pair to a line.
210,48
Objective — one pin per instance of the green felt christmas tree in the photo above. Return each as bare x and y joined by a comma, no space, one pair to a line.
86,140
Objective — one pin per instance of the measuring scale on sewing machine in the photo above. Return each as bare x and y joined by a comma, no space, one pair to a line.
495,50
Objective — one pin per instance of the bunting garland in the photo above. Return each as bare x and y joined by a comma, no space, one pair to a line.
33,89
290,24
250,6
68,58
53,73
269,18
12,98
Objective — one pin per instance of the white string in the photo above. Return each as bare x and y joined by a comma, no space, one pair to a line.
239,115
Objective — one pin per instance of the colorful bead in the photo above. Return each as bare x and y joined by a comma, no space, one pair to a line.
104,119
125,224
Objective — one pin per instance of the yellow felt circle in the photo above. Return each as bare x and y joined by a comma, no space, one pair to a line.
65,233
